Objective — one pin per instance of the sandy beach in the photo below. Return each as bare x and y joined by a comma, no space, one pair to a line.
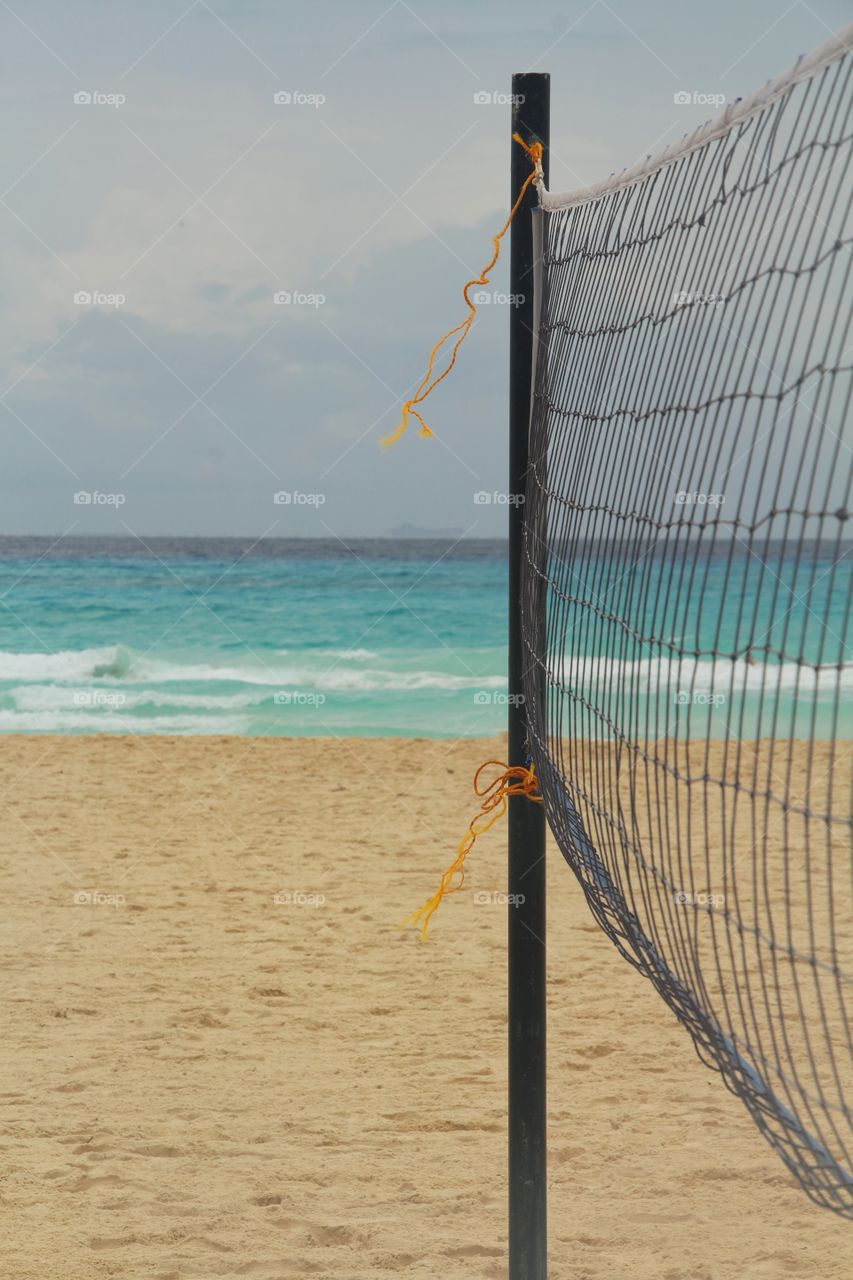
223,1058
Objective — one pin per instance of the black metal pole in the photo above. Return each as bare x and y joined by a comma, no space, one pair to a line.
526,940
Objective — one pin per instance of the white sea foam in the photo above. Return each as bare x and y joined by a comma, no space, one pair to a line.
53,681
354,655
72,665
341,680
92,700
118,667
89,722
657,675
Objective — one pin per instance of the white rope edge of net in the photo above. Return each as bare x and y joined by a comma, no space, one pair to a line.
735,113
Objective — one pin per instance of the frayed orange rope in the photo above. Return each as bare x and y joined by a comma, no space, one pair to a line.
428,383
513,780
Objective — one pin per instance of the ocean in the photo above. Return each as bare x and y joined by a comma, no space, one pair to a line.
382,638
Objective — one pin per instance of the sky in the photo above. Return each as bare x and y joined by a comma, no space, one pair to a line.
233,229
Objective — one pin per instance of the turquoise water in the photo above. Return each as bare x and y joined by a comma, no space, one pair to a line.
726,642
297,638
309,638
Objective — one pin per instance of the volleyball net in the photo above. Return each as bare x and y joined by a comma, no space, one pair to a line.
687,581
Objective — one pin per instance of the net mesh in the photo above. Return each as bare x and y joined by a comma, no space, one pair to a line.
686,596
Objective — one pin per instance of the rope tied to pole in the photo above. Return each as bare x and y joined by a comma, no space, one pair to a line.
429,382
513,780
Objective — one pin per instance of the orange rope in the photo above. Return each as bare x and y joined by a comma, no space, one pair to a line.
428,383
511,781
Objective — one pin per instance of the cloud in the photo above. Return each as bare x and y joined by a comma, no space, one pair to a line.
200,198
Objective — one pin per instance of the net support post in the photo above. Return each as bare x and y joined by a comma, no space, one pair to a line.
526,831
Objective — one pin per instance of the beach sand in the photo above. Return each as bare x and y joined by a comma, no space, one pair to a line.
199,1081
